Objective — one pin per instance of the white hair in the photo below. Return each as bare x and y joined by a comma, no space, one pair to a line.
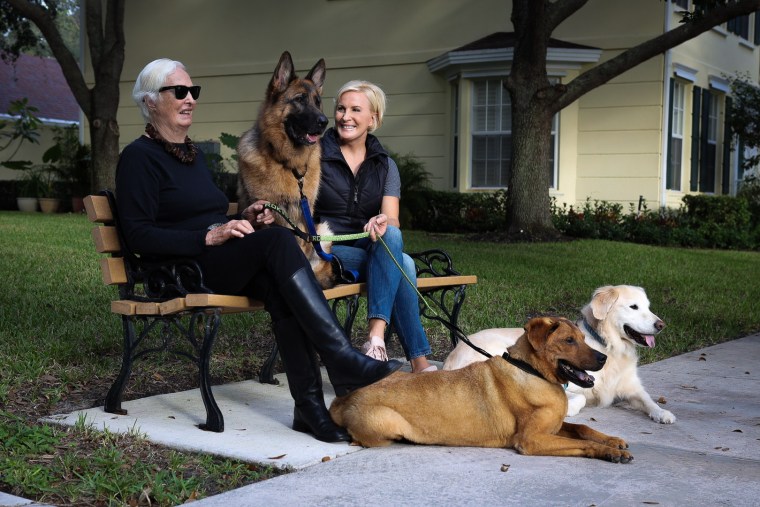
151,78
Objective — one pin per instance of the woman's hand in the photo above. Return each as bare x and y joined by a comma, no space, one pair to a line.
376,226
258,214
232,229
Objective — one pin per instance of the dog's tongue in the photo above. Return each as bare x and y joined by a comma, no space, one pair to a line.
650,340
312,138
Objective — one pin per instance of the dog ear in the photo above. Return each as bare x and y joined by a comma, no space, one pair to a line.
539,329
283,74
317,75
602,301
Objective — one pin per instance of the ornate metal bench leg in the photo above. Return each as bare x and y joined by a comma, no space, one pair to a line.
351,304
214,418
459,295
113,398
265,375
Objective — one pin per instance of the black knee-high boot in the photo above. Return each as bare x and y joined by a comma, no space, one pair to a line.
310,414
347,368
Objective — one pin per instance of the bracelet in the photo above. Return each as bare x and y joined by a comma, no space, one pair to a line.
214,226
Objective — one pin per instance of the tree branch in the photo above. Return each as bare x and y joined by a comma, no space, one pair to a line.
68,62
632,57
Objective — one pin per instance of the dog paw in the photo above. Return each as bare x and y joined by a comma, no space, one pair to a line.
619,456
616,443
663,417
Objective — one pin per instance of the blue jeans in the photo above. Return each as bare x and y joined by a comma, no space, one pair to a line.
389,295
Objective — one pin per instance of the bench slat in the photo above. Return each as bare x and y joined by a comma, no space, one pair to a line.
113,271
98,209
106,239
434,282
220,300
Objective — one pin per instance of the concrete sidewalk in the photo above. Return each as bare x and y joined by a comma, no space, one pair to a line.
710,456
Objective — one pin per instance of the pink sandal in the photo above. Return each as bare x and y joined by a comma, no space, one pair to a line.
375,348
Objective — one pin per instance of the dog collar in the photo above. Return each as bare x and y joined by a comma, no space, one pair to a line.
522,365
596,336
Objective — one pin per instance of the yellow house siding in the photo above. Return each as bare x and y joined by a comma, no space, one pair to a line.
610,140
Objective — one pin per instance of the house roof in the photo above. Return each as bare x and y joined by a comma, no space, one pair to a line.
41,81
500,40
497,50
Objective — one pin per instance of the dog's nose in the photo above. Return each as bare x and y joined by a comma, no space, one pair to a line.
322,121
600,358
659,325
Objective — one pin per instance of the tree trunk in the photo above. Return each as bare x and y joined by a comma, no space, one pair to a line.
528,203
104,139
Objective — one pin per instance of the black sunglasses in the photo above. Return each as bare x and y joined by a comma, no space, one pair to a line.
180,91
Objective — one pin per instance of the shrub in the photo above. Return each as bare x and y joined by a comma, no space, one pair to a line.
703,221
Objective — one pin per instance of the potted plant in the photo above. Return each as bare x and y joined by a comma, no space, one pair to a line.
29,188
23,126
70,162
48,197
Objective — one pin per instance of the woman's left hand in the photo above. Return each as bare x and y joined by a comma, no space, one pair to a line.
258,215
376,226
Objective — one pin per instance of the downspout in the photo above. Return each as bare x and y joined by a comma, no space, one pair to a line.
668,60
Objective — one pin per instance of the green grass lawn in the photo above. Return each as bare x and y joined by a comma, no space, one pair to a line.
60,346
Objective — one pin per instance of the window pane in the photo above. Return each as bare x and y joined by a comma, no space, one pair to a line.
492,135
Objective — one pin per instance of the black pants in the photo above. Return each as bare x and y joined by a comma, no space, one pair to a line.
255,266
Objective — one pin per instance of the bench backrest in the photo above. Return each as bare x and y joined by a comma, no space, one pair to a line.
137,278
106,239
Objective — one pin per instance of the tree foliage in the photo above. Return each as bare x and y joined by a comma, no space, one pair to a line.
744,117
104,23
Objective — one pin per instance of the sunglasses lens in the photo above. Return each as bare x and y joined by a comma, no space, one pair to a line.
180,91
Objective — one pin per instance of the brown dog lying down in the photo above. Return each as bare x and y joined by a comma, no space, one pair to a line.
513,401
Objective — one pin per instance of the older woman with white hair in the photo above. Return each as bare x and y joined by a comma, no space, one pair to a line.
169,207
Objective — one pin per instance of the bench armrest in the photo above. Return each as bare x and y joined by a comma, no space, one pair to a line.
433,262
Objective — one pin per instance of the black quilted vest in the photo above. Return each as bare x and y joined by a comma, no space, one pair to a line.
346,201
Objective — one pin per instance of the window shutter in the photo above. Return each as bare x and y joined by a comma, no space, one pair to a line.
704,165
670,176
695,112
726,169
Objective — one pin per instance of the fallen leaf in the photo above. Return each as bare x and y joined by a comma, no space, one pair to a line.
172,417
326,458
661,400
692,388
504,467
738,431
645,502
646,432
158,376
278,457
592,419
702,359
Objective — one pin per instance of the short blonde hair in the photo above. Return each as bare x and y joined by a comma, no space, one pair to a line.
151,78
374,94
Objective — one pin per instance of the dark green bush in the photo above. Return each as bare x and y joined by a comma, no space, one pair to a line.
453,212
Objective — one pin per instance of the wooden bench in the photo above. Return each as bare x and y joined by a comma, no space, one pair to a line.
167,299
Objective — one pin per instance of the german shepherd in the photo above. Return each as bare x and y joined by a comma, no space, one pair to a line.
281,151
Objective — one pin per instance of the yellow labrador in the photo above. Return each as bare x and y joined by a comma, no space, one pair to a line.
516,401
616,321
